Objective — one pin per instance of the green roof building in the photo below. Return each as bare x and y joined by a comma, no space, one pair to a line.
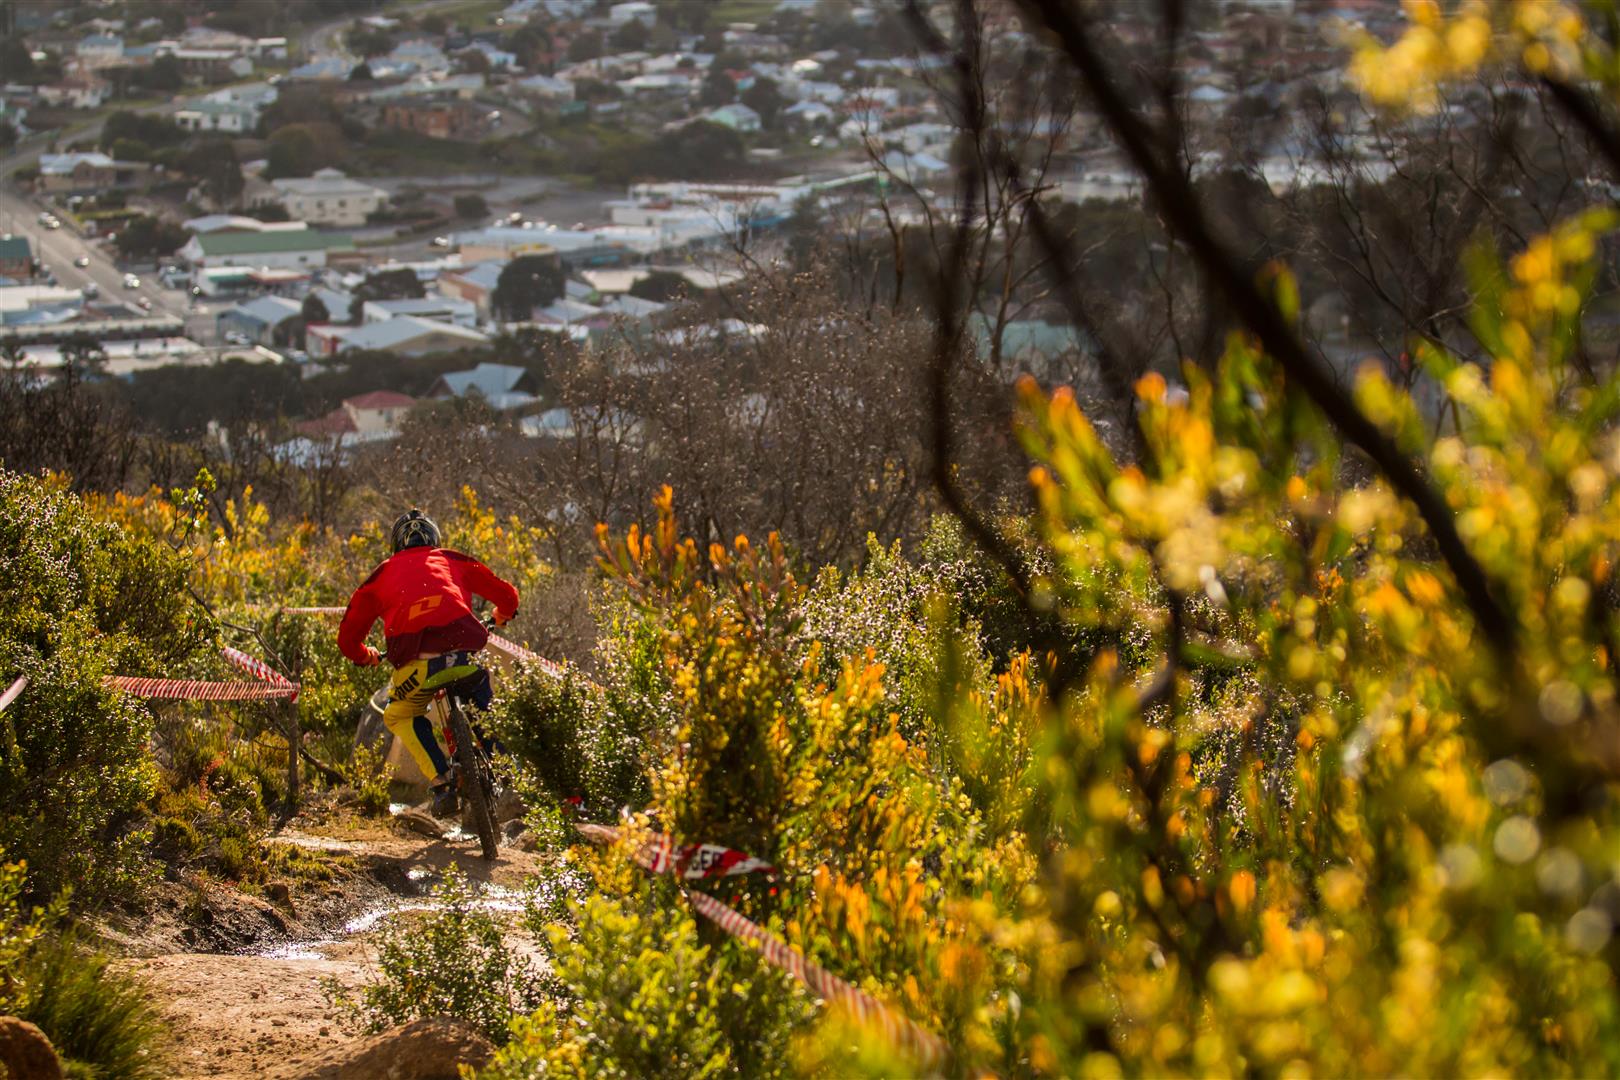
283,249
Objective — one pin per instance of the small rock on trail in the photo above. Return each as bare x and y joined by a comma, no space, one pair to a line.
421,1050
25,1052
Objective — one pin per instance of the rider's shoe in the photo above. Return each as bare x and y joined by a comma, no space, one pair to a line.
445,800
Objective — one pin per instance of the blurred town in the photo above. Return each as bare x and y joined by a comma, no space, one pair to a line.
184,186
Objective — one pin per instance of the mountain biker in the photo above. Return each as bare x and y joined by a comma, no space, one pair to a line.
423,594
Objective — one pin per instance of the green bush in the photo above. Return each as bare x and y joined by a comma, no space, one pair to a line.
84,599
594,742
451,962
641,993
99,1020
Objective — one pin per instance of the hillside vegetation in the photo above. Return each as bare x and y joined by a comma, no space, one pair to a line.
1285,741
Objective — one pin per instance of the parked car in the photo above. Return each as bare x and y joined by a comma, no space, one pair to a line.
131,281
145,303
82,261
236,337
441,241
91,290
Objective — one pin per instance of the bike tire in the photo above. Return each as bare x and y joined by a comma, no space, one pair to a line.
473,786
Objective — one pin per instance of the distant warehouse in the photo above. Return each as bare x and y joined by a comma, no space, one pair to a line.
290,249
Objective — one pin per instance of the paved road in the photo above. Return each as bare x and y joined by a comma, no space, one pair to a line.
58,248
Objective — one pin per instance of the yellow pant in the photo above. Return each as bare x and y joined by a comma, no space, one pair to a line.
410,693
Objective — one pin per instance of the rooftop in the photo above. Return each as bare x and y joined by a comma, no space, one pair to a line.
380,399
277,242
324,182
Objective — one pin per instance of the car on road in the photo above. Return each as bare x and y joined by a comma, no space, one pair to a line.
82,261
441,241
52,223
145,303
131,281
91,290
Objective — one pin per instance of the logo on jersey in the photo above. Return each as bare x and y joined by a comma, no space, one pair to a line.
423,607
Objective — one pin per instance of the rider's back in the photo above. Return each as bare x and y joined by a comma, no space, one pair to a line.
424,597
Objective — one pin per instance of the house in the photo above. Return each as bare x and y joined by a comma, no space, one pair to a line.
16,257
100,50
915,168
379,411
327,68
461,120
422,55
408,335
473,284
290,249
672,83
39,305
736,116
808,114
376,415
571,313
214,65
498,58
235,117
631,308
329,198
438,308
259,320
210,223
502,386
89,172
546,88
635,11
82,91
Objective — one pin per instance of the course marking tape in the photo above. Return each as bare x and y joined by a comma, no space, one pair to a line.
260,669
16,688
199,690
694,862
929,1048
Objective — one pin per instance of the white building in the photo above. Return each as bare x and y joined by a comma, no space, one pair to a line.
329,198
290,249
634,11
229,116
736,116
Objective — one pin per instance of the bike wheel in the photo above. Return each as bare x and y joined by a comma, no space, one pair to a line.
475,784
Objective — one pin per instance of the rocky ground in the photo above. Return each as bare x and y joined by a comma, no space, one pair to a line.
241,977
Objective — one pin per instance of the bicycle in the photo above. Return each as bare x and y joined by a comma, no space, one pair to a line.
475,774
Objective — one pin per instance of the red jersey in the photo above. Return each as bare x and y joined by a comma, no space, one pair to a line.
424,597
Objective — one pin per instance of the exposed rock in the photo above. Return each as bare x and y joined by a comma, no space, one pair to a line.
513,829
421,1050
419,821
25,1052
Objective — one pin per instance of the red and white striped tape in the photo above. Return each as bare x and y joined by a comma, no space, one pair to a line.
694,862
928,1048
258,668
199,690
17,687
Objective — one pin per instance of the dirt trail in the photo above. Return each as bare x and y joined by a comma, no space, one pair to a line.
260,1013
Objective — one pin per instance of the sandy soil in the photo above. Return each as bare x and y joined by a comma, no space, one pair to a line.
260,1012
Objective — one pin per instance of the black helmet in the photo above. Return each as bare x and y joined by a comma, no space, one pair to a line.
414,529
